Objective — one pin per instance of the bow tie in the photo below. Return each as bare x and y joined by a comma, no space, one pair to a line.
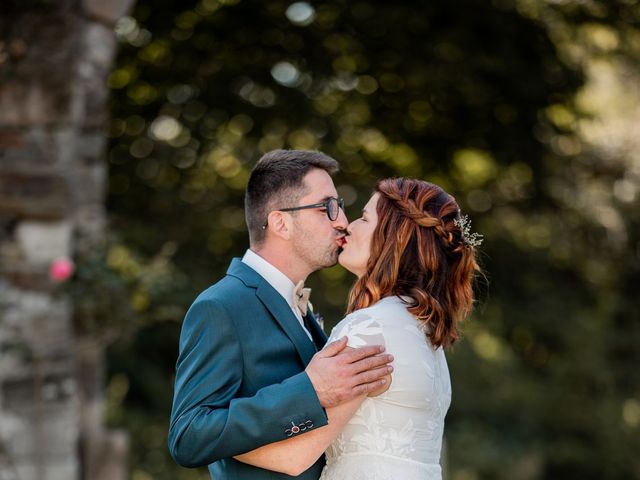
301,298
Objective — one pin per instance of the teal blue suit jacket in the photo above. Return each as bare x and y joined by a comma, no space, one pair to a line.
240,380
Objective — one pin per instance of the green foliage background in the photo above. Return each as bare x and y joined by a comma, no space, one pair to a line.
491,100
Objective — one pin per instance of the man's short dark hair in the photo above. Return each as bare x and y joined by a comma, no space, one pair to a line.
276,182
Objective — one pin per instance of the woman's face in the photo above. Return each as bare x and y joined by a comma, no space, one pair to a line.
357,245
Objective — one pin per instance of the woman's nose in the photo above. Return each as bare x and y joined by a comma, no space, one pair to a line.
348,229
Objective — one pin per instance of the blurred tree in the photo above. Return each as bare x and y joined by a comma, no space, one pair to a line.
495,101
54,60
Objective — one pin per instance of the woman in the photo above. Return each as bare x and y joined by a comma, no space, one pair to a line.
415,260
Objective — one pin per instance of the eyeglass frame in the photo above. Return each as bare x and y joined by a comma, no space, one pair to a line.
324,204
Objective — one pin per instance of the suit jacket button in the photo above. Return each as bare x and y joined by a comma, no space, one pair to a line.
295,429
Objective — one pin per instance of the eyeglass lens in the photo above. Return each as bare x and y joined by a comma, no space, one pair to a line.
333,208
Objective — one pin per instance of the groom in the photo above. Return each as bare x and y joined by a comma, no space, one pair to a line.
248,373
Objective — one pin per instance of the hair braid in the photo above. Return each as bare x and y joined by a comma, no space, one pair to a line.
411,210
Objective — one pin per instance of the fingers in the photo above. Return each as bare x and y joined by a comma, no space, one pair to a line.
366,388
370,363
333,348
363,352
373,376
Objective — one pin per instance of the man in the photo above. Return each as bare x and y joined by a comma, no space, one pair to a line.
248,373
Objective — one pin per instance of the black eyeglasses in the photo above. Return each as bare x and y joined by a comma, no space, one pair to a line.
331,205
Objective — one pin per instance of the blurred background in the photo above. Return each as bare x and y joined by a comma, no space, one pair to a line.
127,134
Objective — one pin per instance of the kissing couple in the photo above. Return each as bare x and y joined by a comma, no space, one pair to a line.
261,393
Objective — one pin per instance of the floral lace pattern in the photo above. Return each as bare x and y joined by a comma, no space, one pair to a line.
401,430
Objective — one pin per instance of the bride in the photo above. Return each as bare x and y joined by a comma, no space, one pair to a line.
414,257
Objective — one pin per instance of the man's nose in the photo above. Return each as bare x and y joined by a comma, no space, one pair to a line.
341,222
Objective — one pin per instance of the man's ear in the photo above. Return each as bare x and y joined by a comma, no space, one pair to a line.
279,224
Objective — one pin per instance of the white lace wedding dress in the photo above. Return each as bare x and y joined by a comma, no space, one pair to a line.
398,434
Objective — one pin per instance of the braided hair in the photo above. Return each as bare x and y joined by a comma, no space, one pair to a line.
418,252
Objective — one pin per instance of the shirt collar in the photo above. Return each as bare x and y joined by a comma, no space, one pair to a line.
278,280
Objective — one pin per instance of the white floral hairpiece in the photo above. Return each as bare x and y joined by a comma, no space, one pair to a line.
472,239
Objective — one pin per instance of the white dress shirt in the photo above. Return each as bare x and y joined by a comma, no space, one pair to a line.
278,280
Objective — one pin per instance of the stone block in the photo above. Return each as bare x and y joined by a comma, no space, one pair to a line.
100,46
15,352
36,195
89,185
42,89
66,468
91,221
10,425
43,242
107,11
7,469
43,431
91,147
50,149
76,147
10,139
65,146
25,149
26,277
94,106
93,69
44,324
30,104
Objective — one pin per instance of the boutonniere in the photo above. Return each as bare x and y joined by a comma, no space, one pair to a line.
320,319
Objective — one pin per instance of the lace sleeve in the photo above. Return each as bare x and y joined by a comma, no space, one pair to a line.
361,328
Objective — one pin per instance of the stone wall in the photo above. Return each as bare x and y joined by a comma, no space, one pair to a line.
54,59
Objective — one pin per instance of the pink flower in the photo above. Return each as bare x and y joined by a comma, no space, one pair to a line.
61,269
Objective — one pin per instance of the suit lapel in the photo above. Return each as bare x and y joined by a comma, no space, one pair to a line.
277,306
282,313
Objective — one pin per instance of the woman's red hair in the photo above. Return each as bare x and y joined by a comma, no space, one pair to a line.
417,251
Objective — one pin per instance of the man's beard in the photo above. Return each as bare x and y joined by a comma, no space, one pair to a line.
329,259
316,261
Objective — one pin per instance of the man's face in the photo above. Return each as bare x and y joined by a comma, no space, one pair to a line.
316,239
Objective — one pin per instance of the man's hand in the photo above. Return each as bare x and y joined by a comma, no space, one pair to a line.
338,375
